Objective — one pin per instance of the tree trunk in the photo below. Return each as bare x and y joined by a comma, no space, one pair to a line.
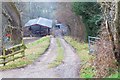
117,38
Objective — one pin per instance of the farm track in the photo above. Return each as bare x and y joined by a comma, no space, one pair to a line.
39,69
71,63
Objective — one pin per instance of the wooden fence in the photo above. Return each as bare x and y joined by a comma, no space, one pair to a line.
12,54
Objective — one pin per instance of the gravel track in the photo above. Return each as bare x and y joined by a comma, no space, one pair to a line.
39,69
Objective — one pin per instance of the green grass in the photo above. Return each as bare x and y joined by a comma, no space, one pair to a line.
33,51
60,55
37,42
114,75
87,71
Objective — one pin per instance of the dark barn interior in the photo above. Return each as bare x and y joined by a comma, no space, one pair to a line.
37,27
39,30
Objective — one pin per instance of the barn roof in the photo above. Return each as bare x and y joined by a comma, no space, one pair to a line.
40,21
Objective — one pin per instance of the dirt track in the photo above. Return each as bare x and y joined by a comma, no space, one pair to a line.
39,69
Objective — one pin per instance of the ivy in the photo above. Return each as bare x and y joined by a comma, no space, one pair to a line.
91,15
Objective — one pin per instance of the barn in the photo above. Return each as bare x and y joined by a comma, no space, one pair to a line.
38,27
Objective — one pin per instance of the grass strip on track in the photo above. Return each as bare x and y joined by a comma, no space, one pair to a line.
60,55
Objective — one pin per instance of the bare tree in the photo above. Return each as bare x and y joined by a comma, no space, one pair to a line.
108,54
64,14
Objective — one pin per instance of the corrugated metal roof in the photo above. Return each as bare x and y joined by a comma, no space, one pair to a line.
40,21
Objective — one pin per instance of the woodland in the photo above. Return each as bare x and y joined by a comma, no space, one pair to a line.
83,19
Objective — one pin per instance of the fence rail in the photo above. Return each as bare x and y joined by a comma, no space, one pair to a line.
91,43
12,53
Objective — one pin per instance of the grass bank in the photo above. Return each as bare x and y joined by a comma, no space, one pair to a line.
33,51
60,55
86,70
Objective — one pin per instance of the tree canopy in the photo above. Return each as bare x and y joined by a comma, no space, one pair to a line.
91,15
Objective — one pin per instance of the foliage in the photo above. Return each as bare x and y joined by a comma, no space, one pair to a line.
91,15
106,54
60,55
33,51
115,75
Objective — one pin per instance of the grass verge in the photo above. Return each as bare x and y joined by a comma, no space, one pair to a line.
115,75
33,51
86,70
60,55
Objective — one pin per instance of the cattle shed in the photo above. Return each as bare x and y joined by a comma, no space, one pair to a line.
38,27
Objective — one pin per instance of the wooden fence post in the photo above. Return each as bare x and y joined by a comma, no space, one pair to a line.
4,56
12,52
